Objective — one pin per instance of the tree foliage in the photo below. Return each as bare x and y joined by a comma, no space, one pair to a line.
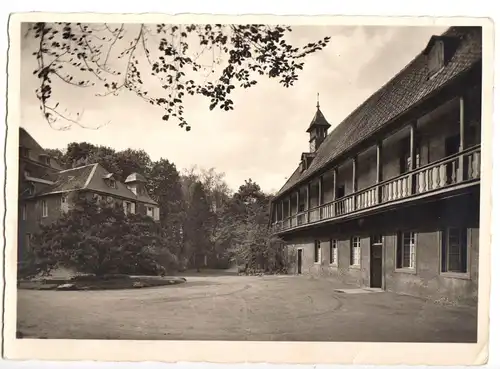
254,244
162,63
99,238
200,219
164,184
196,225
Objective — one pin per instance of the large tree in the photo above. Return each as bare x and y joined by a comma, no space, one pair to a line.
161,63
253,243
196,227
164,184
121,163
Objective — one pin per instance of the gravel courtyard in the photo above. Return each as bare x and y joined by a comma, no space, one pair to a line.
284,308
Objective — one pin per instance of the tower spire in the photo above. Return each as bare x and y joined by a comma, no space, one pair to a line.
317,100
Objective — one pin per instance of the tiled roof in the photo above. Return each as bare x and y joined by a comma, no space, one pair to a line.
69,180
406,89
146,199
318,120
90,177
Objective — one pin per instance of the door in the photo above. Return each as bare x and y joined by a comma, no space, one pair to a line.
299,261
376,262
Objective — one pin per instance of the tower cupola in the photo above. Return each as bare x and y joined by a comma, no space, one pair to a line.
318,129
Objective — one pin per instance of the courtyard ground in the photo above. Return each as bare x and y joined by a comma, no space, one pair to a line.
227,307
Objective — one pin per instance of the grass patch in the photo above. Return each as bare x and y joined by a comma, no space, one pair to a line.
85,283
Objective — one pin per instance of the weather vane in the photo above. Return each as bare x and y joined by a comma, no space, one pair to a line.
317,104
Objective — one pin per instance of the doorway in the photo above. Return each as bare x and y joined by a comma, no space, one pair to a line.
376,261
299,261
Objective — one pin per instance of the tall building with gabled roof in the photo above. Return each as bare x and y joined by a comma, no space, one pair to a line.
390,197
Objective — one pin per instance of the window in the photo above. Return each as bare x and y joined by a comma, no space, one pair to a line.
24,152
27,173
149,211
24,212
45,209
406,250
355,251
109,199
129,207
454,251
112,183
46,160
317,251
333,252
27,241
64,199
312,146
436,58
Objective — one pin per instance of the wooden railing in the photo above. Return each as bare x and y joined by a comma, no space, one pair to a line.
445,173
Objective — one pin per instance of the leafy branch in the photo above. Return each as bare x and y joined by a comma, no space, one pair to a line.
113,58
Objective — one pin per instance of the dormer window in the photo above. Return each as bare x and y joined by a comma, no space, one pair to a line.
439,52
44,158
110,181
435,60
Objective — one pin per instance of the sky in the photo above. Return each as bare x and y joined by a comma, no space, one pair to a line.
264,136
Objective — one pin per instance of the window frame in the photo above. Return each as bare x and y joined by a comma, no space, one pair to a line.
27,239
112,183
467,237
25,152
45,209
399,264
355,240
334,261
317,252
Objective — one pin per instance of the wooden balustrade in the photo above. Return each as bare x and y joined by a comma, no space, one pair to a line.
314,214
366,198
473,164
434,176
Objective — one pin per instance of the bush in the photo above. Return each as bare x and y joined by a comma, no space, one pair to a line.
99,239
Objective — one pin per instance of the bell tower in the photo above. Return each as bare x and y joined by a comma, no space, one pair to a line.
318,129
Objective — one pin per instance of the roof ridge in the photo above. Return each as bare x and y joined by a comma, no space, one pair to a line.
91,175
80,167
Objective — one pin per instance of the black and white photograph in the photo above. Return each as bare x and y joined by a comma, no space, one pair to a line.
247,182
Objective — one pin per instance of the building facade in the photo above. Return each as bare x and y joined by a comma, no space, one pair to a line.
390,198
45,190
